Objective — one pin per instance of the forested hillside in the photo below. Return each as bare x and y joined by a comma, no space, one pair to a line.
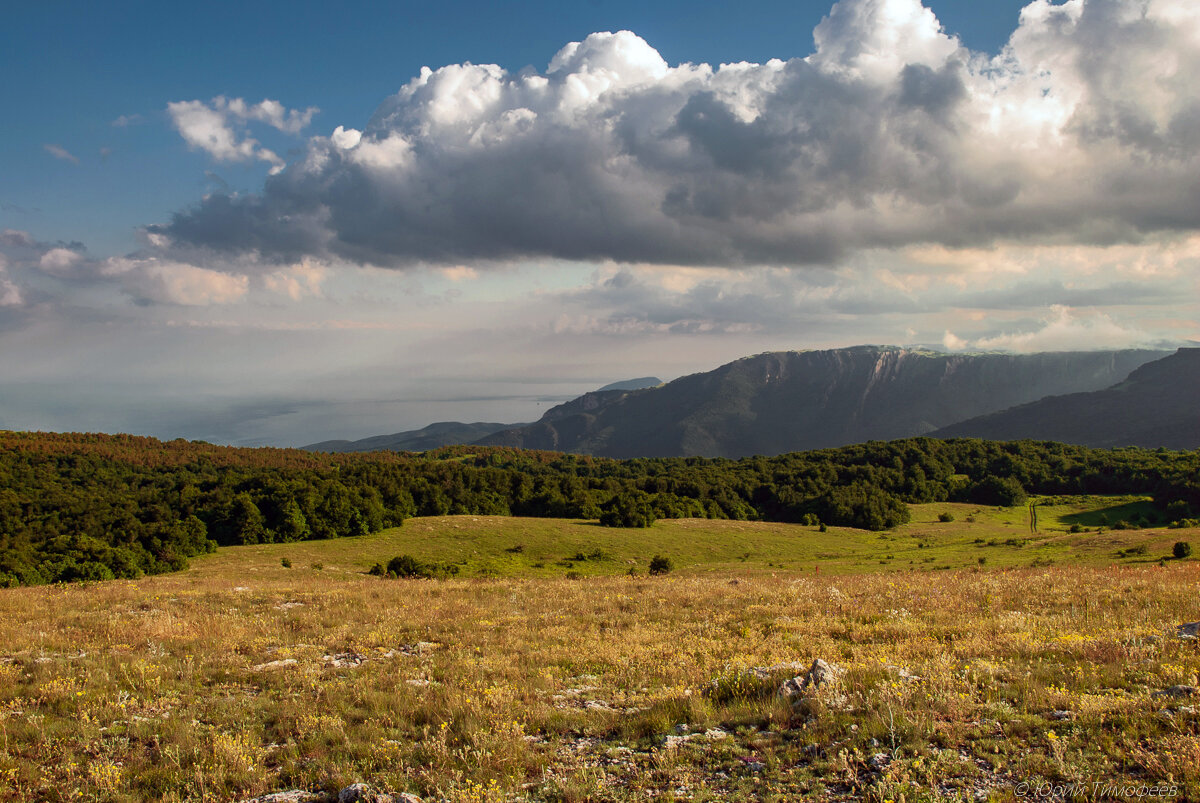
97,506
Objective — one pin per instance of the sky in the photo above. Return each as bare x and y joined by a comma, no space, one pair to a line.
280,223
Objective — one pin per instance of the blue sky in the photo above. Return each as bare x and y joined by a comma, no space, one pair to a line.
263,223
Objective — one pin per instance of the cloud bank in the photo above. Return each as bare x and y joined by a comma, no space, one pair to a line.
1084,129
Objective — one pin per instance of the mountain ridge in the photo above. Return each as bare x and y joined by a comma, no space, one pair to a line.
775,402
1155,406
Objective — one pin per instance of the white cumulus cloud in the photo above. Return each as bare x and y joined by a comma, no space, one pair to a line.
218,127
1085,129
10,294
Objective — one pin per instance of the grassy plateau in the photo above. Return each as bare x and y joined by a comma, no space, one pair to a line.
981,660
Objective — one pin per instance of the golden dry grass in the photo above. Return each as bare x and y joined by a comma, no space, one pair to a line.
224,681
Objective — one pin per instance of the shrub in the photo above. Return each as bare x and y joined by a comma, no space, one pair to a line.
660,564
408,566
286,563
945,517
1076,528
1182,549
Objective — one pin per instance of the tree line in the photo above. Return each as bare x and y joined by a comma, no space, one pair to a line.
92,507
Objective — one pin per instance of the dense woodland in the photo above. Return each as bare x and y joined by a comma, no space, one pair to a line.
91,507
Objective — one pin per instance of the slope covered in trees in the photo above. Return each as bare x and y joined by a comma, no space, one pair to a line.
97,506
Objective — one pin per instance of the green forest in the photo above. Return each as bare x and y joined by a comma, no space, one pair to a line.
95,507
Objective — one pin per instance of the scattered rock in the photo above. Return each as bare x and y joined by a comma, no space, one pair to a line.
1060,715
362,793
275,665
673,742
292,796
345,659
1190,630
753,763
355,793
792,689
820,675
420,648
1176,692
904,674
284,606
768,672
879,762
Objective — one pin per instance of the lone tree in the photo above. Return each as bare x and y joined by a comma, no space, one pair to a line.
660,564
1182,549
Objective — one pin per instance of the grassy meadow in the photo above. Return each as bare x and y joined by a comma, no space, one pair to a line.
978,655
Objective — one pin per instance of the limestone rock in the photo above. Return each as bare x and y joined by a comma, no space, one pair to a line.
292,796
275,665
820,675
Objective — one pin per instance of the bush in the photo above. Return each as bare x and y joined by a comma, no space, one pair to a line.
408,566
286,563
660,564
1181,550
1076,528
945,517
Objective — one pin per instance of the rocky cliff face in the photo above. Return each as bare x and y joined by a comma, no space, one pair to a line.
788,401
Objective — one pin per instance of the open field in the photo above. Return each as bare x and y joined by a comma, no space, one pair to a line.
500,546
239,676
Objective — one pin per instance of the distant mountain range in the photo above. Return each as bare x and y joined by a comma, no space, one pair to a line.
792,401
433,436
1158,405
